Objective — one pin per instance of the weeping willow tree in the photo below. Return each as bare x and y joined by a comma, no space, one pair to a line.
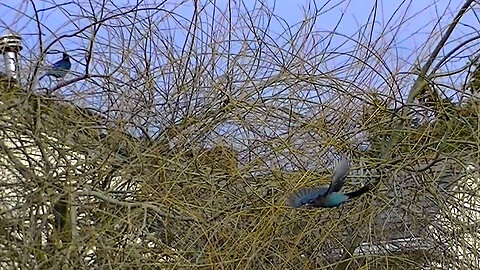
182,129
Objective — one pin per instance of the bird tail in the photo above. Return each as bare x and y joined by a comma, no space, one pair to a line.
359,192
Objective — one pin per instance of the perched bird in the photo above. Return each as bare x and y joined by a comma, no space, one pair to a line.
327,197
60,68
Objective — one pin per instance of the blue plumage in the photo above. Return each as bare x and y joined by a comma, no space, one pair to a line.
327,197
60,68
305,196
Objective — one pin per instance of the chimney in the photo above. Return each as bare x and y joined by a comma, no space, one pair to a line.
10,46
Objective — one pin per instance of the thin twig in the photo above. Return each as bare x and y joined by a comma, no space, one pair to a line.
417,86
106,198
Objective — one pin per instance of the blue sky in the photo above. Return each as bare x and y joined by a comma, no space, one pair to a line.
407,45
18,16
362,51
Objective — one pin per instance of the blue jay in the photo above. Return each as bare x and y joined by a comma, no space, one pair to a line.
60,68
327,197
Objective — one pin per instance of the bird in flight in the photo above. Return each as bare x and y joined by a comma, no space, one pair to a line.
327,197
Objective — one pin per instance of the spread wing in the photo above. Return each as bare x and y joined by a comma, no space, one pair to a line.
305,196
339,175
